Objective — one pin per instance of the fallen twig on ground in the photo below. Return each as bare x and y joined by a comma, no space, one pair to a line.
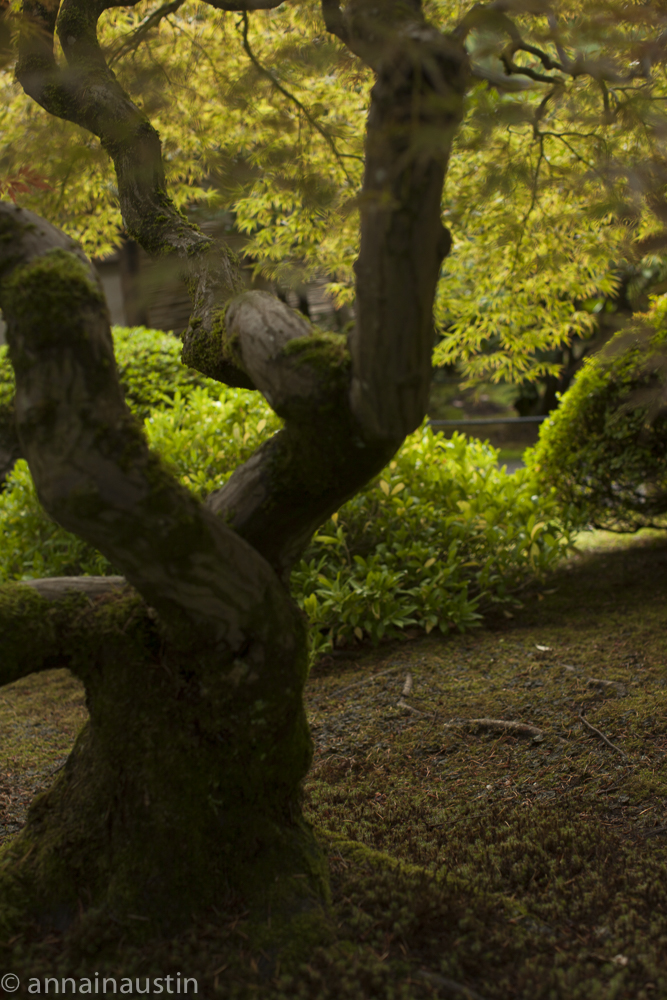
407,687
365,680
449,988
403,704
497,725
605,685
603,737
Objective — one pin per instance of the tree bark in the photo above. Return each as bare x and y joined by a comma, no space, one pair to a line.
184,787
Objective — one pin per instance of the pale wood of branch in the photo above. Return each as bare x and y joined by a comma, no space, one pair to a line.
602,736
55,587
497,725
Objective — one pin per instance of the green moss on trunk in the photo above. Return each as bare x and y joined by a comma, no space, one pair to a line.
182,792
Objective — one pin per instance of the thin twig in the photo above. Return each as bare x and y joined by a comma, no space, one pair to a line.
403,704
512,68
497,725
609,789
657,831
544,58
605,685
603,737
450,989
135,38
366,680
295,100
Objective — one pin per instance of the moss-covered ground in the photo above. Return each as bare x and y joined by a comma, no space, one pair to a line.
465,861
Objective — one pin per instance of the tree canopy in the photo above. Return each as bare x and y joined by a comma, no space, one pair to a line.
555,179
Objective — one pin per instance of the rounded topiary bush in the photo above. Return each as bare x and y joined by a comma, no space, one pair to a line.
604,450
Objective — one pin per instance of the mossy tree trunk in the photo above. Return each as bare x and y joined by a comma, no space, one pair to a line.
184,788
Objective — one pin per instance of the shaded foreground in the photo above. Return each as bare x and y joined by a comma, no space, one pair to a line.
464,862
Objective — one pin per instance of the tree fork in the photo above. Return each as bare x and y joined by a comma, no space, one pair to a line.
185,785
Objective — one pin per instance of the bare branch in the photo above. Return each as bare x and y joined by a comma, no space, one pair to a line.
495,15
544,58
501,81
286,93
134,39
512,68
565,60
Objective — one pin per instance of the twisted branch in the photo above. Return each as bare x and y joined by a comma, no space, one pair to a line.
346,410
90,461
87,93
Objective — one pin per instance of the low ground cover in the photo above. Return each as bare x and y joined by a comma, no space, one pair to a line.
465,861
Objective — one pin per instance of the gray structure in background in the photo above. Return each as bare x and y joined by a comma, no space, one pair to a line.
141,291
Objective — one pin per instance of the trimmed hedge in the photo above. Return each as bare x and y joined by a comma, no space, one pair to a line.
604,450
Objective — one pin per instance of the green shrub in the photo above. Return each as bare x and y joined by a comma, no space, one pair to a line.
150,369
201,440
203,437
150,373
441,535
604,450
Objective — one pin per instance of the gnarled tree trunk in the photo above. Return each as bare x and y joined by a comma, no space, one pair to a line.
184,786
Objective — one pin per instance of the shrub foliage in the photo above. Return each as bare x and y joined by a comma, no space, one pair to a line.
441,535
604,450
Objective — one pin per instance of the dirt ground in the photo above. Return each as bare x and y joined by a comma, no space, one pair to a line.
468,858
